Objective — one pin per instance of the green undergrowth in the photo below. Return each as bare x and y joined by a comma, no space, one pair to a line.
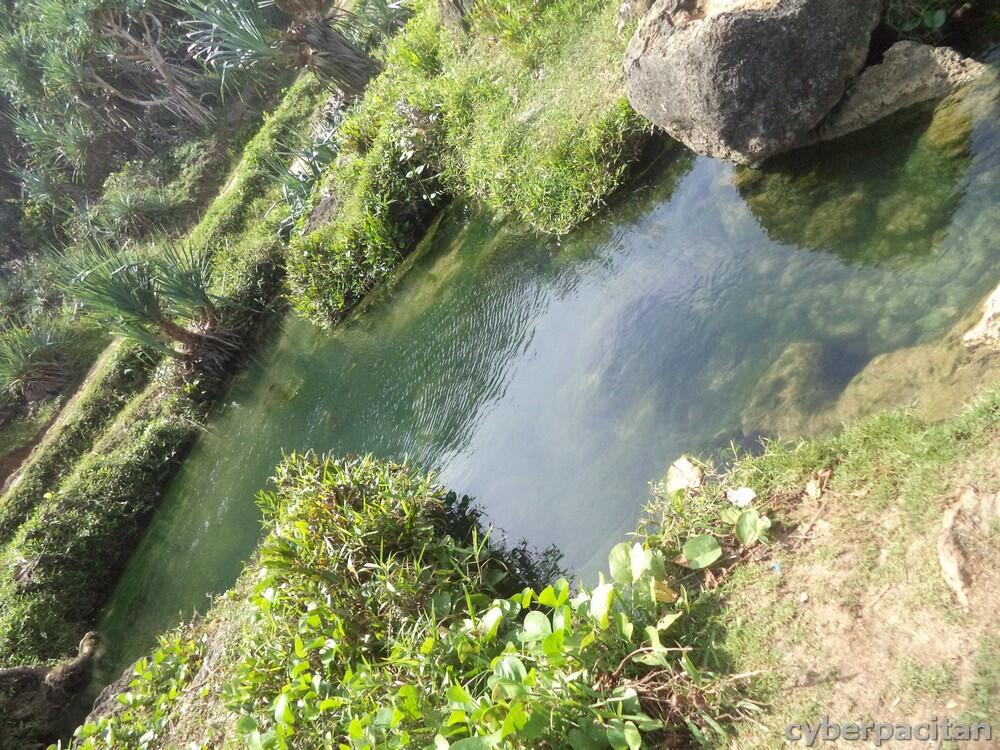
167,191
122,373
244,200
875,494
20,432
380,615
63,561
88,494
367,622
526,114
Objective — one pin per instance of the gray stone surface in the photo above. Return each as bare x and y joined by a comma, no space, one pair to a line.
742,80
909,73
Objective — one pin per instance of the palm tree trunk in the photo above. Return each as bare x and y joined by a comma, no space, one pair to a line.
174,332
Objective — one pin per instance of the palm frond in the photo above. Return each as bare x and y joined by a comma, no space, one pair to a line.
185,278
227,33
34,360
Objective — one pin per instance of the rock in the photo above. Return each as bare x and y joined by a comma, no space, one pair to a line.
454,14
632,10
33,698
791,394
910,73
986,333
967,547
742,80
323,212
683,475
890,201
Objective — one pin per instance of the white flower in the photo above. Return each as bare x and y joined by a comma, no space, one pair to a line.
742,497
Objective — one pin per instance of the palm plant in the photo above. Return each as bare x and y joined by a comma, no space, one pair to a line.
298,181
142,297
318,35
375,20
185,277
34,361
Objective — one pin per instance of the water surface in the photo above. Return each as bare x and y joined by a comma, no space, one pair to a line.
554,380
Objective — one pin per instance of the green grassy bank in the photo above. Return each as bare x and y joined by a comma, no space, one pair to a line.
376,613
525,112
73,517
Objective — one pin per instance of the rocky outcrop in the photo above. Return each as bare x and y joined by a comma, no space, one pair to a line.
910,73
32,699
790,394
454,14
632,10
986,333
742,80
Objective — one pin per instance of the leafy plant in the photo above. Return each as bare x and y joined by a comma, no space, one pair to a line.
919,18
239,33
141,297
368,627
35,360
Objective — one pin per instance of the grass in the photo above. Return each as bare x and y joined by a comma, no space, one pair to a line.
367,620
527,115
874,563
18,433
75,516
934,680
377,613
984,698
121,372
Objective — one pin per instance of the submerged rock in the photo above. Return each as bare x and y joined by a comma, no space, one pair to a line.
33,698
986,333
910,73
887,194
742,80
791,393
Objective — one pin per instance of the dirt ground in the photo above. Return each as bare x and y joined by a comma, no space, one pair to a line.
879,606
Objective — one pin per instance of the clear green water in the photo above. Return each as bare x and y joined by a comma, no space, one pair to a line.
554,380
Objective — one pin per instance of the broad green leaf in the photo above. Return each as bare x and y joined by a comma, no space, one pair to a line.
282,712
473,743
746,527
490,622
536,627
246,725
640,560
580,740
459,697
667,620
600,604
751,527
632,736
701,551
620,563
555,595
509,667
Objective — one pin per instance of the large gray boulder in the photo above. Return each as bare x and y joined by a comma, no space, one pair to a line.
742,80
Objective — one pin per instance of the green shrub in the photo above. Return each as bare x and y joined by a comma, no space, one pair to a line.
920,19
533,123
369,625
35,360
123,374
60,567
